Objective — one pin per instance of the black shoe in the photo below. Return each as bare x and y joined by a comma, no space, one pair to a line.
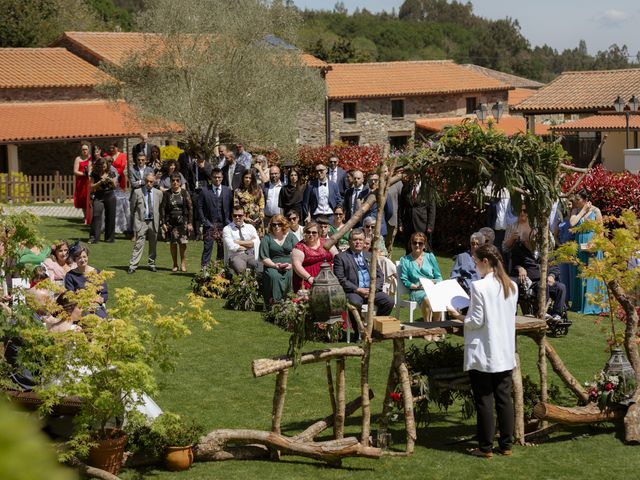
92,241
153,268
131,270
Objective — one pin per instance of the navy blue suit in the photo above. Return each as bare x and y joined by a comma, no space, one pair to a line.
342,182
310,201
214,213
347,204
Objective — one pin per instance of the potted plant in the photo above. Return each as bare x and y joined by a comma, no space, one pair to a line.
174,438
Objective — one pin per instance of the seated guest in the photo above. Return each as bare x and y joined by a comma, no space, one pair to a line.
389,270
68,318
488,234
464,268
57,264
275,254
307,257
76,278
351,268
338,223
420,263
368,241
294,224
170,167
238,238
324,225
556,293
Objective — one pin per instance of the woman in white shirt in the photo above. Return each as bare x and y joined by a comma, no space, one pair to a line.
489,349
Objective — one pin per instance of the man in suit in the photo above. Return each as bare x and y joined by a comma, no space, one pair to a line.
337,175
232,172
137,173
185,166
417,210
144,146
213,208
393,193
351,268
146,222
271,192
321,196
358,191
373,182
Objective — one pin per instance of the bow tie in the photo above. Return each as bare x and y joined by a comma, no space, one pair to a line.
324,184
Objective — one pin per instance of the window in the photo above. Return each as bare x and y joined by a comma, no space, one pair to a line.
399,142
350,139
397,108
349,111
472,105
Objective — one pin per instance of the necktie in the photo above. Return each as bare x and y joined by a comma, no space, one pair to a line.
240,232
414,193
149,206
218,192
354,202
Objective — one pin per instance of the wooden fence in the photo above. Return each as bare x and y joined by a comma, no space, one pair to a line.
18,188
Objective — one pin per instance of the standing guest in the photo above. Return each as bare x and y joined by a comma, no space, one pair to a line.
57,264
200,174
275,254
294,224
337,175
490,350
119,162
420,263
272,191
501,216
176,220
239,239
464,268
146,222
349,179
171,167
213,209
137,173
220,160
144,146
81,172
417,210
351,268
355,194
185,166
321,196
582,288
232,172
103,185
250,198
393,193
261,169
154,161
307,257
292,194
243,157
374,183
76,278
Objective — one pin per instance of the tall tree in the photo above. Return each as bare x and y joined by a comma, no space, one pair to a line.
217,74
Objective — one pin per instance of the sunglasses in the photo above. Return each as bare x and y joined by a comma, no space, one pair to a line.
276,224
311,233
293,219
177,180
369,226
238,215
320,170
419,244
339,214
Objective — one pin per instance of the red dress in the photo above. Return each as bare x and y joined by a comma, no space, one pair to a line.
313,259
81,192
120,164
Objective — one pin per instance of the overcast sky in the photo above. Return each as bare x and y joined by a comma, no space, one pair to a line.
558,23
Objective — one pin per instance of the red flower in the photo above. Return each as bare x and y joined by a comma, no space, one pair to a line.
296,300
608,386
395,396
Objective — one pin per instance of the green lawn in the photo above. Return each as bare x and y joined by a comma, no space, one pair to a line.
213,383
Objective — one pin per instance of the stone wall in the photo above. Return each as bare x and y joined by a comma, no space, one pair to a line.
47,94
374,124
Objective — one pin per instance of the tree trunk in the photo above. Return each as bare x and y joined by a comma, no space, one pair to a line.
91,472
364,388
518,404
278,400
266,366
577,415
407,396
564,374
632,420
338,427
542,370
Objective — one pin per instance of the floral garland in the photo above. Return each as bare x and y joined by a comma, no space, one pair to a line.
606,390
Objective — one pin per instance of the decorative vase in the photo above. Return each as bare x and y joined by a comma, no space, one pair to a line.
108,454
178,458
327,299
619,365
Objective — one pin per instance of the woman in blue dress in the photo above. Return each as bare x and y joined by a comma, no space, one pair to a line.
584,211
416,265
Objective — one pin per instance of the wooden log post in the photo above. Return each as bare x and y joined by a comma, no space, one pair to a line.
265,366
278,400
332,395
590,413
518,404
542,369
564,374
338,427
387,403
407,396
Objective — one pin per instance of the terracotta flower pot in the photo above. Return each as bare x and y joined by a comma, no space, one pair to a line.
178,458
109,453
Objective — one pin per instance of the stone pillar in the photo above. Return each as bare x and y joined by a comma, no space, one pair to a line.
13,163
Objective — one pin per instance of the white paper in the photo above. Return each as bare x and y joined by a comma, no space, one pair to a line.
447,293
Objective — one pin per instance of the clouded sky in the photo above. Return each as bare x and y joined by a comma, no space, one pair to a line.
558,23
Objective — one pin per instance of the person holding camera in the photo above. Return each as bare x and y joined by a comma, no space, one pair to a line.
103,185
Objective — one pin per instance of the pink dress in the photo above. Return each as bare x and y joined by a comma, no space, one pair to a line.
313,259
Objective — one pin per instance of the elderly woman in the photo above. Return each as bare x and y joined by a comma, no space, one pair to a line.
76,278
176,220
250,198
464,268
275,254
57,264
420,263
261,169
170,167
308,255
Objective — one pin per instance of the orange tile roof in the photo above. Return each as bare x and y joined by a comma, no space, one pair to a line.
599,123
583,91
508,125
311,61
384,79
506,78
519,94
45,67
40,121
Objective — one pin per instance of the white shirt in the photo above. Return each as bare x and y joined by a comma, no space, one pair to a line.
490,327
271,207
333,175
504,214
323,199
298,233
231,233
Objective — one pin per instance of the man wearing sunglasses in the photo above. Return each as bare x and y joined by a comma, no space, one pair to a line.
351,268
213,209
321,196
240,240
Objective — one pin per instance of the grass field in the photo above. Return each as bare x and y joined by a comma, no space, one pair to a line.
213,383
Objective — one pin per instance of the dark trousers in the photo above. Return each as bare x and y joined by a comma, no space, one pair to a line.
557,293
196,218
486,387
383,302
104,203
208,246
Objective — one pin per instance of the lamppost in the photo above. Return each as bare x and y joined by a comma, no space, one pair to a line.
620,105
496,110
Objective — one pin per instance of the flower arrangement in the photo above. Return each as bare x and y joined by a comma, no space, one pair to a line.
606,390
243,292
211,282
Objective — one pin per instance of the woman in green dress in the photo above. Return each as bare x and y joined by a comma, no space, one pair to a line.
416,265
275,254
